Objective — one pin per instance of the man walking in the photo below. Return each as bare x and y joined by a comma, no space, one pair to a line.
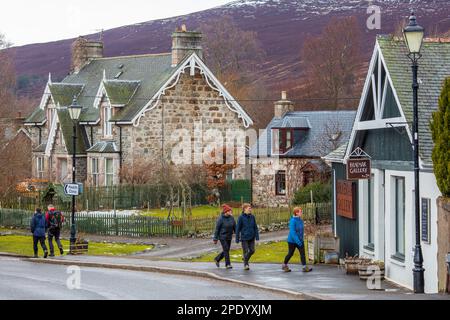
247,233
38,228
55,220
225,227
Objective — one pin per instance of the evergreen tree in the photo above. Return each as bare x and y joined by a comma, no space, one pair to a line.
440,128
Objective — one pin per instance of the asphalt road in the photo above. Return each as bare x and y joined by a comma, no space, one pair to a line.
25,280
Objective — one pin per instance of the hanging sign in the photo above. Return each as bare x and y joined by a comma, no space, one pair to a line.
358,169
358,165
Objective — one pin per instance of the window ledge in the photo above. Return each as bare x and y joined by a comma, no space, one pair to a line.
369,249
398,259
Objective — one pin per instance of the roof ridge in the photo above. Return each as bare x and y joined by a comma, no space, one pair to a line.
134,56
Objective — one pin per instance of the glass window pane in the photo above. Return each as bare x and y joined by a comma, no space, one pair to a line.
400,214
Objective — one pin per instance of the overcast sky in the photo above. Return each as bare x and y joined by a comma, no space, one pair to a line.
31,21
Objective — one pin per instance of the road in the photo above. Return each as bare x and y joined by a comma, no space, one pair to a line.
25,280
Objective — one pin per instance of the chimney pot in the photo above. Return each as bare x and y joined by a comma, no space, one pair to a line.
283,95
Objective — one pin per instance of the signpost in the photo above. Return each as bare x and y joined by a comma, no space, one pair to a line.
71,189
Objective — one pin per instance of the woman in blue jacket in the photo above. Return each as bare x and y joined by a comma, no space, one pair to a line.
38,227
295,240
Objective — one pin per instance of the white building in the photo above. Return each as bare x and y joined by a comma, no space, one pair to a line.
384,223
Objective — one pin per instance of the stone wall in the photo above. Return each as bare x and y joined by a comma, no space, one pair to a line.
188,105
263,180
443,205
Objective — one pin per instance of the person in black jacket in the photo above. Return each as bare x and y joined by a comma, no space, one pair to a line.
225,227
247,232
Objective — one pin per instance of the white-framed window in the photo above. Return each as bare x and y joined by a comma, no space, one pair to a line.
94,171
62,168
399,210
280,183
107,126
109,172
40,167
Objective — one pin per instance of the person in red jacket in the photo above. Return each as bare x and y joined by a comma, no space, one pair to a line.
54,220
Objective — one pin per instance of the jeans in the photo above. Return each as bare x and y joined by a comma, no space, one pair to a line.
226,245
41,240
54,233
248,249
292,247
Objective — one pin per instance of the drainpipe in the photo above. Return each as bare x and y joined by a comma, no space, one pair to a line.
120,151
334,203
92,136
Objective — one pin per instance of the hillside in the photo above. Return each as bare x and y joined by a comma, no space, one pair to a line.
282,26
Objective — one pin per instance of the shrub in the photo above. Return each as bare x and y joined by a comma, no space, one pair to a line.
440,128
321,193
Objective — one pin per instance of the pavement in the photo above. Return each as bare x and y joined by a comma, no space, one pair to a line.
324,282
26,280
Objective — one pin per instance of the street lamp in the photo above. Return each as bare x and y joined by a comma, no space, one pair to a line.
74,112
413,35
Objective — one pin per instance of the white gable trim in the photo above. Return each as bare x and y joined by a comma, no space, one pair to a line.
51,136
192,63
378,123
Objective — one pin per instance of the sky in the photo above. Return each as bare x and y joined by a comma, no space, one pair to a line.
31,21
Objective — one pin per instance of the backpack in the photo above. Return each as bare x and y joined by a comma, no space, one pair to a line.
59,218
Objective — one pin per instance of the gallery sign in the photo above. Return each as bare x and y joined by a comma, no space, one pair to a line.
358,169
346,199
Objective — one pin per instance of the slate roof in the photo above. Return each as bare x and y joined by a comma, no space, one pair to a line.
337,155
37,116
66,126
104,147
120,92
434,67
314,124
152,71
63,93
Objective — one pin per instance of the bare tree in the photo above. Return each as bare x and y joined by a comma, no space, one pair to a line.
235,56
332,60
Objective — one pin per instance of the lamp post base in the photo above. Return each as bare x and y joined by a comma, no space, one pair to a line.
73,238
418,271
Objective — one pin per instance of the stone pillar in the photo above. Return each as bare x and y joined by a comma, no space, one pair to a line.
443,207
183,43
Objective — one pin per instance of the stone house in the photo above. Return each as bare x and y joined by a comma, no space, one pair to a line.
288,153
131,107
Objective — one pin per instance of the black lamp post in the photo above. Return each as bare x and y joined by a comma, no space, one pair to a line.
74,112
413,35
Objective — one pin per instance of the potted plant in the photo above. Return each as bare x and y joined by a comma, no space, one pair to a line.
373,269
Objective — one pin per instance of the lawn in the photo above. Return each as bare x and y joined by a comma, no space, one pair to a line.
24,245
197,212
270,252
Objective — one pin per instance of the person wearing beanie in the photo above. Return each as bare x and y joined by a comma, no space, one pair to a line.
295,240
225,227
247,233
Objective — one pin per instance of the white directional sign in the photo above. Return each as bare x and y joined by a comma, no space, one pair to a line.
71,189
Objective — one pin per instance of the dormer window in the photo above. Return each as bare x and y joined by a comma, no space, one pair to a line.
282,140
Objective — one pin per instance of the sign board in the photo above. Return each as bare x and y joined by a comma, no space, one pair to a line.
71,189
426,204
358,169
346,199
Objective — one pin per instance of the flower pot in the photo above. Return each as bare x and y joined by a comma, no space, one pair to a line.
374,271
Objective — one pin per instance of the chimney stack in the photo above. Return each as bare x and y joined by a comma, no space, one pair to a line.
283,106
83,51
185,42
